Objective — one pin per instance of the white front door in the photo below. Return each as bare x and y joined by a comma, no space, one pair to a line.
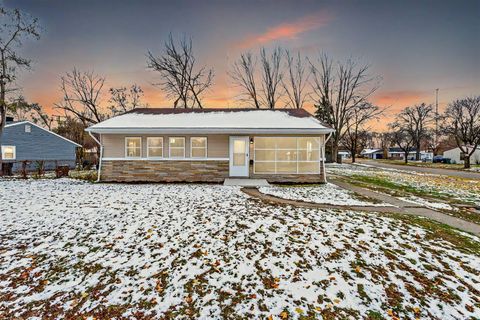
239,156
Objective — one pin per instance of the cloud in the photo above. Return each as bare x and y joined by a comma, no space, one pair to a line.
289,30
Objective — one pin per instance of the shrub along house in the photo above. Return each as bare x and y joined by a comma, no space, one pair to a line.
26,141
209,145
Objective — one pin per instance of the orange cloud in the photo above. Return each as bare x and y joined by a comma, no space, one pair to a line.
288,30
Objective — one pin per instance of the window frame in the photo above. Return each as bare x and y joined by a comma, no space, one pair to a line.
126,148
297,150
148,148
14,152
205,148
170,147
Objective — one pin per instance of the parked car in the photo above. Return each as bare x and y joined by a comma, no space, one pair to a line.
441,159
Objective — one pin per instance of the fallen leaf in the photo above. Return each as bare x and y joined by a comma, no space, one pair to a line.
284,315
358,269
298,310
337,301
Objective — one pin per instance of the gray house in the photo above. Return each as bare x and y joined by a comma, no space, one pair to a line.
25,140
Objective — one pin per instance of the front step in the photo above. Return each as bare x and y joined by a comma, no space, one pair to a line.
246,182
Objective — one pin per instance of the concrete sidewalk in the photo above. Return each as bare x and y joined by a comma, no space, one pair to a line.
409,208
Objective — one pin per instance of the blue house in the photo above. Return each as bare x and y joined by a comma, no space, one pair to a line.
25,140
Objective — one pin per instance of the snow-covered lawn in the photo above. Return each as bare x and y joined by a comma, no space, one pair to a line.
71,249
447,187
327,194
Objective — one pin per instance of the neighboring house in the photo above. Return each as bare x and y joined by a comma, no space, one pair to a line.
344,154
395,153
209,145
457,156
25,140
372,153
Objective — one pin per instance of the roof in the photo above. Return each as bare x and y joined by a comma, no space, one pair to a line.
12,124
370,151
170,120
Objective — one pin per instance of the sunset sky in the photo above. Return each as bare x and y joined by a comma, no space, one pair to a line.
415,46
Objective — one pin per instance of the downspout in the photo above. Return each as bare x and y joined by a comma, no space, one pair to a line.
323,156
101,155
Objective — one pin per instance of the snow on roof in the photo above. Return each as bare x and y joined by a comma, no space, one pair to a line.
369,151
163,120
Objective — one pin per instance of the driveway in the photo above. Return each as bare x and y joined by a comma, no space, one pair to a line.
447,172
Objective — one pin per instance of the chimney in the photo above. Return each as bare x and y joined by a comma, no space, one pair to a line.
8,119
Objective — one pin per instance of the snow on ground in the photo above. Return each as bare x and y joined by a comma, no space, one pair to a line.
449,187
326,194
428,204
70,249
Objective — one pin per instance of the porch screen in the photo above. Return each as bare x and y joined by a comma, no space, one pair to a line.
285,155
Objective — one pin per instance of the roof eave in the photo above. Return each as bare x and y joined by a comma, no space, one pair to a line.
210,130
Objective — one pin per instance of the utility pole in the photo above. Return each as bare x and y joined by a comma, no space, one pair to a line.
436,123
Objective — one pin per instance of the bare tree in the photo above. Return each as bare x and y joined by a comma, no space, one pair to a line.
272,76
415,121
296,81
339,89
81,96
22,110
356,130
462,120
181,81
402,138
243,75
15,27
123,99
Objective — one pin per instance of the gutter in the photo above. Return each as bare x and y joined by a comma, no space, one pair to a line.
324,171
101,155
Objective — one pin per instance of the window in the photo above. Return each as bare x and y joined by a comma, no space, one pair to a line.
9,153
287,155
28,128
133,147
155,147
176,147
198,147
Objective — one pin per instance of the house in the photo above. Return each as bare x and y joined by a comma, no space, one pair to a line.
25,140
344,154
209,145
457,156
395,153
372,153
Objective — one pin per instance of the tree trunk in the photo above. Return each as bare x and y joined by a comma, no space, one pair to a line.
466,162
353,157
406,156
417,153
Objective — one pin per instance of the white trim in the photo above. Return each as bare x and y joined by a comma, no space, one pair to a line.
206,148
31,123
148,148
101,155
204,131
166,159
126,153
169,148
14,152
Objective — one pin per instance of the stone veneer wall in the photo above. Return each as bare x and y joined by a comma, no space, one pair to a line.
188,171
164,171
290,178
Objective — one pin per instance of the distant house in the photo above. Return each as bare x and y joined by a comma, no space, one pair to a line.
210,145
457,156
372,153
395,153
25,140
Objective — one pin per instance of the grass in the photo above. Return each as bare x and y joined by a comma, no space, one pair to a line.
87,175
440,231
401,190
452,166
